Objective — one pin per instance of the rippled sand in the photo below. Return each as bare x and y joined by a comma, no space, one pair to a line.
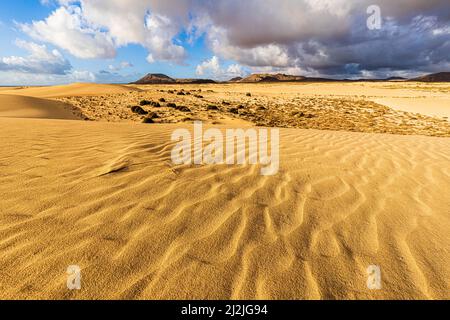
106,196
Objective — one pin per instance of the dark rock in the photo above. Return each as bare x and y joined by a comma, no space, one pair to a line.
148,120
139,110
183,109
145,103
212,108
153,115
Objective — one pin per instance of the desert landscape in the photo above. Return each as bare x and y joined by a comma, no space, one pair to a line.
87,179
227,158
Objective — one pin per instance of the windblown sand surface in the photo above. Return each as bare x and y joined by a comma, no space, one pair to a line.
14,106
75,89
106,196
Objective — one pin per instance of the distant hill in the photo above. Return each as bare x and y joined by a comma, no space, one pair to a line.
195,81
272,78
158,78
395,79
155,78
435,77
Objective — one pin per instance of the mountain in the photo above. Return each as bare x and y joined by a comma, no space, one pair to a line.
395,79
272,78
155,78
435,77
159,78
194,81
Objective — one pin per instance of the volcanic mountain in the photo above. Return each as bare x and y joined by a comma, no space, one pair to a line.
435,77
155,78
158,78
236,79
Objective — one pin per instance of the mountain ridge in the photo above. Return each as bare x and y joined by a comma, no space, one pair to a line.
159,78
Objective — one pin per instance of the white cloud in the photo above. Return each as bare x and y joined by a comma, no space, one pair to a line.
68,29
212,68
159,34
8,78
39,61
95,29
121,66
211,65
40,67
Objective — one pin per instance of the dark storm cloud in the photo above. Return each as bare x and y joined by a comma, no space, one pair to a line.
332,37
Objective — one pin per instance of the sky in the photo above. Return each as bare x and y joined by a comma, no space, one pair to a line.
45,42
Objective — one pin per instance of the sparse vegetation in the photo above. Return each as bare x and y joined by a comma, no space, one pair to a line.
289,110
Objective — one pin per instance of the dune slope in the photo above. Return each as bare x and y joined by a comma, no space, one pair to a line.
106,197
13,106
75,89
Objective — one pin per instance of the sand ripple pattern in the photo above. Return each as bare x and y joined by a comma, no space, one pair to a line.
106,197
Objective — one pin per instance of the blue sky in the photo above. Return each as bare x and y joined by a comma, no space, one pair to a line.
62,41
22,11
14,13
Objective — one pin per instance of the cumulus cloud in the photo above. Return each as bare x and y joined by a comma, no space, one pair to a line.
68,29
40,67
123,65
95,29
213,68
39,61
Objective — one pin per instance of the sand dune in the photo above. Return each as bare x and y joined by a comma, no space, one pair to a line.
75,89
437,107
107,198
14,106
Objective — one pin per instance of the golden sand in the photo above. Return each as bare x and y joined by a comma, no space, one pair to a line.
106,196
